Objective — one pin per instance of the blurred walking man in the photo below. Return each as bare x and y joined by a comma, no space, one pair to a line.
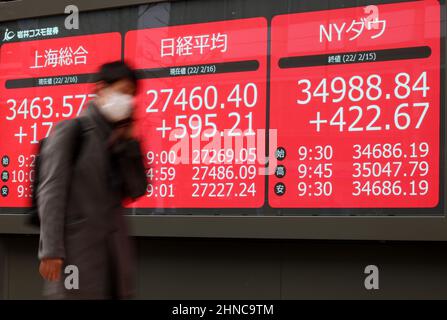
89,165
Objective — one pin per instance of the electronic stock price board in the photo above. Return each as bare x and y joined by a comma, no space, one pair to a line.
322,111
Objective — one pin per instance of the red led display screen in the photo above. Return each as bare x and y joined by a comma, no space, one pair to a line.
286,108
201,112
355,100
42,82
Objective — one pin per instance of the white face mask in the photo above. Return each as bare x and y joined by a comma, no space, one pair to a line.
117,107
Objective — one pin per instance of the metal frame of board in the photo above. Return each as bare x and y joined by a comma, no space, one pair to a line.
429,228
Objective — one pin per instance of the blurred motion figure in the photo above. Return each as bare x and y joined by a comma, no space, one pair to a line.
90,164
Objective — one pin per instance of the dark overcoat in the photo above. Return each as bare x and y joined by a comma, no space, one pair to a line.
80,207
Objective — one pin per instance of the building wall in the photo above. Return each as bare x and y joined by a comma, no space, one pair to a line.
191,268
18,9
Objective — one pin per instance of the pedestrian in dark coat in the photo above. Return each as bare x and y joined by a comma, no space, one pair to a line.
80,204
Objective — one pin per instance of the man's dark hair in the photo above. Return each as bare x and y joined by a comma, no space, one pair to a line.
115,71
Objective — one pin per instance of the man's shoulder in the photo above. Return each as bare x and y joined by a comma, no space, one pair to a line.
77,124
66,124
65,131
